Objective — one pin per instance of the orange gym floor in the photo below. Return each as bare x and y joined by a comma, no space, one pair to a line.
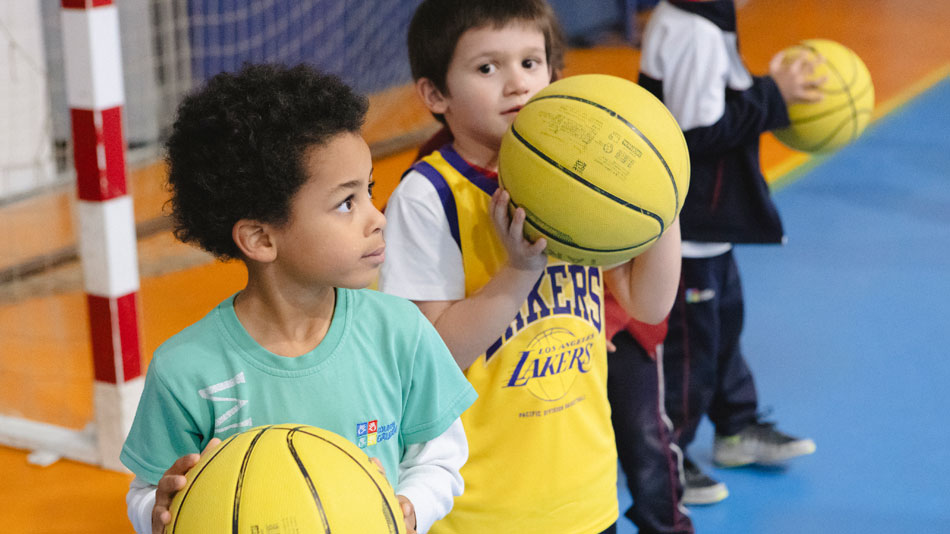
44,354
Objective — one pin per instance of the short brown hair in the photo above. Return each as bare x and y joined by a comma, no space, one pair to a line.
437,26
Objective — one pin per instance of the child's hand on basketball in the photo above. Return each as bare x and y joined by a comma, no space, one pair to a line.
408,510
795,78
171,482
408,513
522,254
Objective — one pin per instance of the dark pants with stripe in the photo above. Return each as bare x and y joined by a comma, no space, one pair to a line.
705,371
643,433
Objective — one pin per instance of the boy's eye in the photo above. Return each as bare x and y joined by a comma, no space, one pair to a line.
370,189
487,68
346,206
530,63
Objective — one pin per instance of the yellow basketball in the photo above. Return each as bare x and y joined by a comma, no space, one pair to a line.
845,109
599,165
286,478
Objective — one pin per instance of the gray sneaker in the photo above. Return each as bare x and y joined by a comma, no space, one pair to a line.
759,443
700,488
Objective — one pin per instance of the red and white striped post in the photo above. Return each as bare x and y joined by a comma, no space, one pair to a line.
107,244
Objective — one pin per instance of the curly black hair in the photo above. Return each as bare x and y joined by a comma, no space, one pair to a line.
237,147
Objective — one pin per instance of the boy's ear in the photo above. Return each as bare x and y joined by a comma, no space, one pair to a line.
254,240
431,96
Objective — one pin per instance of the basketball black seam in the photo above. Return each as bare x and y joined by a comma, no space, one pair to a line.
833,110
238,489
854,111
538,227
306,477
195,480
392,515
633,128
590,185
855,71
821,144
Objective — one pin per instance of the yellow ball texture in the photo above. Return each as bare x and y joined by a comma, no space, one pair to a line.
845,109
284,479
600,167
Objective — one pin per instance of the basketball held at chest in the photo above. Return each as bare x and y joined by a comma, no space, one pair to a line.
284,479
600,167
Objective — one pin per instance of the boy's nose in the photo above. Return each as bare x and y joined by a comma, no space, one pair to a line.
377,221
517,83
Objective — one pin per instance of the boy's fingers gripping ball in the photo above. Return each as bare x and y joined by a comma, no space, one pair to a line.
283,479
599,165
846,105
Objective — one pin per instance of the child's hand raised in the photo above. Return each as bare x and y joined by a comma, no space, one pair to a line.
172,481
795,78
522,254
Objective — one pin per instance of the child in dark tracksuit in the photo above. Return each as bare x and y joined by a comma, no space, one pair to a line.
690,60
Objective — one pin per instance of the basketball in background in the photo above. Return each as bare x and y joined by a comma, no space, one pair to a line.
845,109
285,479
600,167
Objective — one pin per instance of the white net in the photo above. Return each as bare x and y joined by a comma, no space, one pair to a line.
25,144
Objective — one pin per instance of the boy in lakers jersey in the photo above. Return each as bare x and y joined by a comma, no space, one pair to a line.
527,331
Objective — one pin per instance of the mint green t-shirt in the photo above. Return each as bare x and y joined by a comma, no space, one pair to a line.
382,378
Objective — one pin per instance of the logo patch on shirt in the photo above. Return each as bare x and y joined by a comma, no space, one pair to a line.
369,433
551,362
694,296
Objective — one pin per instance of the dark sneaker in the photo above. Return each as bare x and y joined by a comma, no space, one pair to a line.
700,488
759,443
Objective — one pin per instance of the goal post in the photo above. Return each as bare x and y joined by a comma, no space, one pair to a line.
106,234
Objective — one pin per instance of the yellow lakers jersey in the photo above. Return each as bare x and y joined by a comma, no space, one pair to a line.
541,446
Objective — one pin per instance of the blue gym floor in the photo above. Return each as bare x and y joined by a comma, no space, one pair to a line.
848,335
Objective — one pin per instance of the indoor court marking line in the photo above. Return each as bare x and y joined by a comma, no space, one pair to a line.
800,163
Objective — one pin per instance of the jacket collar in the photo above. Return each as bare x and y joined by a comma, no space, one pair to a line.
722,13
